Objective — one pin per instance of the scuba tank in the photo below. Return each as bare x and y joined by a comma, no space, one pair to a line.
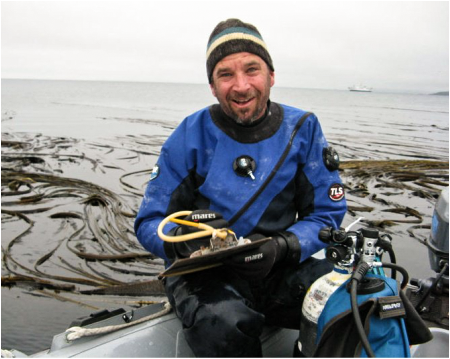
320,291
356,310
380,330
313,304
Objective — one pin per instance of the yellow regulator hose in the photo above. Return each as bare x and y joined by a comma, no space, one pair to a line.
206,230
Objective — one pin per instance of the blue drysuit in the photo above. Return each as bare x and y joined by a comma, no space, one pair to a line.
195,171
292,191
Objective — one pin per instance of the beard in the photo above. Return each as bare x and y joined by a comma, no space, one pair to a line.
242,117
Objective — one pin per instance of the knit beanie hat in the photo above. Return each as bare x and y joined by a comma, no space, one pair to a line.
232,36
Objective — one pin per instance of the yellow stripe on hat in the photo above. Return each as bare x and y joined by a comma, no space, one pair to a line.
235,36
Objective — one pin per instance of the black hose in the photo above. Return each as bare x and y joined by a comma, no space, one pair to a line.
394,261
386,244
401,270
357,276
359,273
358,322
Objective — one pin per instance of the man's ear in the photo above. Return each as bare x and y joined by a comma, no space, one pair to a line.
272,78
211,86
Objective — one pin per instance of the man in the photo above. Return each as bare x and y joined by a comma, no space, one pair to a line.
257,167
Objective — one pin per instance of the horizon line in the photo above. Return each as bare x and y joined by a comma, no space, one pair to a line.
380,90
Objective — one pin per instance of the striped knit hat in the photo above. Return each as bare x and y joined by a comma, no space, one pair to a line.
232,36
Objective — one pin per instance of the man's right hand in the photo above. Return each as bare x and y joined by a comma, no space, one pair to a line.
184,249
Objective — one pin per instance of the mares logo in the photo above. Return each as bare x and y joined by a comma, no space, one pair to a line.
199,217
336,192
254,257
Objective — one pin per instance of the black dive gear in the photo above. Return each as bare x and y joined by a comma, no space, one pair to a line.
378,319
245,166
258,262
330,158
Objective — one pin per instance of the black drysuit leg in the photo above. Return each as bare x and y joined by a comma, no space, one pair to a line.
216,311
223,315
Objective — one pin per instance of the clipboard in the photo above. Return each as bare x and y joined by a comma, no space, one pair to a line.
209,260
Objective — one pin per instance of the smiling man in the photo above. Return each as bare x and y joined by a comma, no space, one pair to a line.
260,168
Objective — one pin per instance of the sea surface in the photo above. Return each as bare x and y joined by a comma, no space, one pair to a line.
88,147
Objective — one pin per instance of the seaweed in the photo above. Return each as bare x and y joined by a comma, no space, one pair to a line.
68,208
392,187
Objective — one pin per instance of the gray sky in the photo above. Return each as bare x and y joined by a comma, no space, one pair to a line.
391,46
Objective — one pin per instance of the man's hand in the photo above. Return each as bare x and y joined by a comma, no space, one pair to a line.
185,249
258,262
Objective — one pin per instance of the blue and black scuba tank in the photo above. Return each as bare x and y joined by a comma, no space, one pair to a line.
360,316
315,300
382,315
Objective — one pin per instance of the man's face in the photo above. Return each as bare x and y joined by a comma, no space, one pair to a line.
241,83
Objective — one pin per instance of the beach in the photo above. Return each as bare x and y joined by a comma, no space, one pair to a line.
76,157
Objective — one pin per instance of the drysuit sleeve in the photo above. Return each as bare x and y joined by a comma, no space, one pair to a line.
161,196
320,201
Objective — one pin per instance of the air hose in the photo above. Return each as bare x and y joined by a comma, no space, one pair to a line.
357,276
402,270
205,229
386,244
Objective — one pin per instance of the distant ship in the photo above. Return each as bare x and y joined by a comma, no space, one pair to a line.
360,88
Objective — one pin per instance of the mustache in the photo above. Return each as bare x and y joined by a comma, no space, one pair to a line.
242,98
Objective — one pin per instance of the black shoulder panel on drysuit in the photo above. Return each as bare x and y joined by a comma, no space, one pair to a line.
304,194
296,199
280,214
187,196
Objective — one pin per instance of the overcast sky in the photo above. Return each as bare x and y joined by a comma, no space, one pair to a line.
391,46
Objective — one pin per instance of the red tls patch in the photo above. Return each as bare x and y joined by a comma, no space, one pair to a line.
336,192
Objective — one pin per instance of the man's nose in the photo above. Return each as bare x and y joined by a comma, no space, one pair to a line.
241,82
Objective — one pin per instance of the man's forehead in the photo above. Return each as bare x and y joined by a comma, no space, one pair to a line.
244,58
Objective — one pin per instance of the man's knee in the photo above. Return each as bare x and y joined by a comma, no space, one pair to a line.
225,328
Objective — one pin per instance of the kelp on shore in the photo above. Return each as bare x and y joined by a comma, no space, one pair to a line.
68,209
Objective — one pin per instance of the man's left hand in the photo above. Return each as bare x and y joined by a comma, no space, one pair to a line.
256,263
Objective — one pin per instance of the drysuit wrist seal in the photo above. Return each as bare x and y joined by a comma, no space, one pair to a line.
289,247
169,248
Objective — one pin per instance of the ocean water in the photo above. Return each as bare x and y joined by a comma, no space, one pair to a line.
361,125
107,133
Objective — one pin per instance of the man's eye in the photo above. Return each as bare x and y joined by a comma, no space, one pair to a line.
252,69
